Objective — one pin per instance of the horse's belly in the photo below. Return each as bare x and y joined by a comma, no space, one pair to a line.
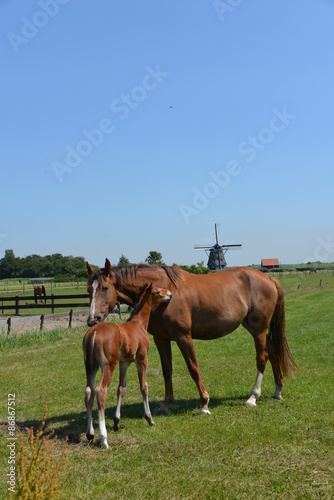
214,331
126,355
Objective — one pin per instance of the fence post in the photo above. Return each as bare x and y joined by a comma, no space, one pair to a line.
70,320
17,308
42,323
52,303
9,323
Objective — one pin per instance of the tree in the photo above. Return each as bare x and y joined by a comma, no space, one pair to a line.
123,261
154,258
9,265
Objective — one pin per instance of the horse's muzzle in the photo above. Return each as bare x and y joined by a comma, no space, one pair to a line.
94,321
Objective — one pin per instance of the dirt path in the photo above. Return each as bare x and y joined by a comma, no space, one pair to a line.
51,321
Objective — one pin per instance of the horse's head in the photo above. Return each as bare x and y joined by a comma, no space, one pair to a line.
102,293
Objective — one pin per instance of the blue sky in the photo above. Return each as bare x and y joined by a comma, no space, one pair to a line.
135,126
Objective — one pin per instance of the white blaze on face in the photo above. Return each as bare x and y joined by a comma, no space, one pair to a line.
92,305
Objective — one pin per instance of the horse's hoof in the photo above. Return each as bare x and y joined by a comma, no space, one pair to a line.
104,444
204,411
163,410
277,396
90,437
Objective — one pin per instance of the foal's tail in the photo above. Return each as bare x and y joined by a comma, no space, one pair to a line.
88,350
277,335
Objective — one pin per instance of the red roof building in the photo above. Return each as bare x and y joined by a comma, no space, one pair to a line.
269,263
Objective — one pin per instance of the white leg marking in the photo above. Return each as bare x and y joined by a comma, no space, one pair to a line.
256,392
204,411
277,393
103,434
92,305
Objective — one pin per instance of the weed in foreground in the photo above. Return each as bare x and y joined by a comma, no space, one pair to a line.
38,472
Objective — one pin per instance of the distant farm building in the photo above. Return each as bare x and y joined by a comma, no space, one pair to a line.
267,264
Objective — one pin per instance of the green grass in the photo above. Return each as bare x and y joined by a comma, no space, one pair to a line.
290,281
280,449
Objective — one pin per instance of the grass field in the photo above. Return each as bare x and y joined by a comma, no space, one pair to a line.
280,449
11,288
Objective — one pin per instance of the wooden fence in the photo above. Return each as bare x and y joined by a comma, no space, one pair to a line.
17,302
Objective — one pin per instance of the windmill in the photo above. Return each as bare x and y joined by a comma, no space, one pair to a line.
216,253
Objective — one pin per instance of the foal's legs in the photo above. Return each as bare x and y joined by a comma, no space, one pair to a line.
101,392
165,352
261,360
89,401
186,346
141,363
121,390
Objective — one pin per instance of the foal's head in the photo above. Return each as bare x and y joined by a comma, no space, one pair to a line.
102,294
159,295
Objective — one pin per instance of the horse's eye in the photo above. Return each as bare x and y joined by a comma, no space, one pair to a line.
105,289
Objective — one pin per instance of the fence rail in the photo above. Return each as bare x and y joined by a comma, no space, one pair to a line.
17,306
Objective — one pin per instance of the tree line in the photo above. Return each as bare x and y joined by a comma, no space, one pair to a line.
59,266
36,266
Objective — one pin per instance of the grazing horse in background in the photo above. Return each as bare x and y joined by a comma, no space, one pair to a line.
106,343
203,307
39,291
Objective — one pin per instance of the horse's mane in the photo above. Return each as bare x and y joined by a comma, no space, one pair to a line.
140,302
174,273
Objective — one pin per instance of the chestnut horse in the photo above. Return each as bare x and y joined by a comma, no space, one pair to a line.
203,307
39,291
106,343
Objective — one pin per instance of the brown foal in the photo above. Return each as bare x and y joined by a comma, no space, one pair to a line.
106,343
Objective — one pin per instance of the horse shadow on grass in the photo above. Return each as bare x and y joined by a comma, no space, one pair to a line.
74,425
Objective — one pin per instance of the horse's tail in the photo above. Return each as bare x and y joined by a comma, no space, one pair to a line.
277,335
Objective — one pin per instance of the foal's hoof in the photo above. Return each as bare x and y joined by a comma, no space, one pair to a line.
277,396
204,411
90,437
103,442
116,424
249,404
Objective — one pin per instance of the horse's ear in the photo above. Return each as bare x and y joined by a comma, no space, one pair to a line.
89,269
107,267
